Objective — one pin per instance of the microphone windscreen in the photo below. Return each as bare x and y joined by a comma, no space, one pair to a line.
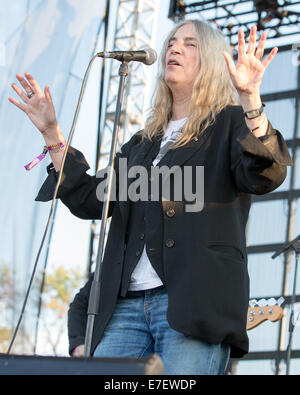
151,56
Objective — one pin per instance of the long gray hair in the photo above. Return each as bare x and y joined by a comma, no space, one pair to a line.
212,92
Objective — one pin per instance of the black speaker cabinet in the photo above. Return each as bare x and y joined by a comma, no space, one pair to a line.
28,365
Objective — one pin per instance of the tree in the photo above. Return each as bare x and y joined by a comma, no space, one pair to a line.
10,298
60,285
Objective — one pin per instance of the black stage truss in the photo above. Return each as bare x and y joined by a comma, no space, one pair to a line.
280,18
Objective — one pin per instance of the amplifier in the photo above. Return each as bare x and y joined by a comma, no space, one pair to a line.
40,365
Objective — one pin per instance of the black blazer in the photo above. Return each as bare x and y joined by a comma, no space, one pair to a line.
206,273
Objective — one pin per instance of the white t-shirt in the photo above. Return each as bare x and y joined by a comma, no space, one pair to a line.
144,276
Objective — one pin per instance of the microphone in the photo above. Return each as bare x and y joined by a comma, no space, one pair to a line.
147,56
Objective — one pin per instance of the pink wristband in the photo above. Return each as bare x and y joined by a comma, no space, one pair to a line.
38,159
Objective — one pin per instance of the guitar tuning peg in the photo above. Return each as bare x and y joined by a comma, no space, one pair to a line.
271,302
280,301
253,303
262,303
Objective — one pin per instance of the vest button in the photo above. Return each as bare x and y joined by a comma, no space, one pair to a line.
138,253
142,236
170,213
170,243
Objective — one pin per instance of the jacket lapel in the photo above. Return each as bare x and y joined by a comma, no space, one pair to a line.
147,150
181,155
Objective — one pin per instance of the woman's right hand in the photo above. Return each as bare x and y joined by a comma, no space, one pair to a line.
78,352
39,107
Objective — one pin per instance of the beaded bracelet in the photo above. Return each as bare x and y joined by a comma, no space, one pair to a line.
52,148
55,148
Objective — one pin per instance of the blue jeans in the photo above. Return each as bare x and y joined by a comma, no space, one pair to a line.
139,328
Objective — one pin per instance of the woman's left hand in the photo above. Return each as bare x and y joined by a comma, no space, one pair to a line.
247,74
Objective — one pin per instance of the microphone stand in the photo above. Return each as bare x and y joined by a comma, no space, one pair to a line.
94,298
293,245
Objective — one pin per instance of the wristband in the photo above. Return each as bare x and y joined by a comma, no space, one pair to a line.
52,148
55,148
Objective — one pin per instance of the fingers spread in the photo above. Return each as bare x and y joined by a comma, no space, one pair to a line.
17,103
48,95
259,53
20,93
241,41
270,57
230,63
33,84
252,41
28,88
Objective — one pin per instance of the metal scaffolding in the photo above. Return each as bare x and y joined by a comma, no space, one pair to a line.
281,18
135,27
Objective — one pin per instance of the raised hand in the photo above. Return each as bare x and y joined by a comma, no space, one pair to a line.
38,105
247,74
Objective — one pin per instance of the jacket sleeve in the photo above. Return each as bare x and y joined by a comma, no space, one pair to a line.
258,164
77,317
78,189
